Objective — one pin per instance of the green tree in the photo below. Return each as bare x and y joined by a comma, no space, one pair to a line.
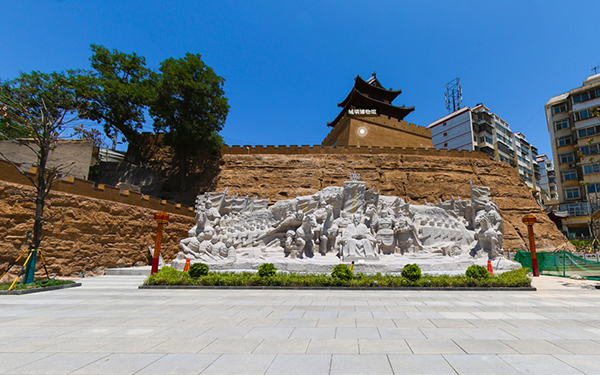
39,106
118,89
190,107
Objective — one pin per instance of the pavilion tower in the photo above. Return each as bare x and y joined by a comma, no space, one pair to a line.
368,118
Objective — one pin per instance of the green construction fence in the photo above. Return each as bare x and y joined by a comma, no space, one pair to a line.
561,263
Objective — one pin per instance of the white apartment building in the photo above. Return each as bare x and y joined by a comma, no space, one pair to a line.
479,129
548,189
575,135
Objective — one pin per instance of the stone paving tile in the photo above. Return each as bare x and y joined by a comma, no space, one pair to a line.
484,346
313,333
585,363
78,345
10,361
129,345
119,364
445,333
60,363
327,322
375,323
434,347
420,365
575,333
424,315
333,346
413,323
300,364
451,323
479,365
531,333
231,346
488,333
360,364
357,333
226,332
457,315
539,364
401,333
491,323
181,345
300,322
270,332
287,346
534,347
578,346
383,346
30,344
176,364
321,315
240,364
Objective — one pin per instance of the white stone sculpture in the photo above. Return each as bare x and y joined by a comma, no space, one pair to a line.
313,233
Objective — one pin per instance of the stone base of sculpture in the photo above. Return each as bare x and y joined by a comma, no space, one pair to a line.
345,224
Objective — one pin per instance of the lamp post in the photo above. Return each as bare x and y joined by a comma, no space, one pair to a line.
529,220
161,218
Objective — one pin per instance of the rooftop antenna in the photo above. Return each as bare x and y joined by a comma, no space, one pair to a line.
453,95
595,69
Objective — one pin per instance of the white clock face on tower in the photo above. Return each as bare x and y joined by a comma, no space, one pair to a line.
362,131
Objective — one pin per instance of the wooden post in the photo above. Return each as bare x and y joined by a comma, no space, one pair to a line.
161,218
529,220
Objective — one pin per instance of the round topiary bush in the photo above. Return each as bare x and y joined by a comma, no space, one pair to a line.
477,272
411,272
198,270
342,272
267,270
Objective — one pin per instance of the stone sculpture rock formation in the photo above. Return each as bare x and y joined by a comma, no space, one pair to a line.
350,223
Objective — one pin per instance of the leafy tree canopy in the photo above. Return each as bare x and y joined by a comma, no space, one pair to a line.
190,105
118,89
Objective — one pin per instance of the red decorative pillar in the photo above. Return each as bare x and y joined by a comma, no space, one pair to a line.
529,220
161,218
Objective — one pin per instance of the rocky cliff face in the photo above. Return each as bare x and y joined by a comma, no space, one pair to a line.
85,234
418,178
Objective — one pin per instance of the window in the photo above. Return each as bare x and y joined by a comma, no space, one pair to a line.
563,141
482,139
581,97
445,134
445,144
582,115
569,175
489,140
567,158
593,188
559,108
591,169
562,124
588,132
590,150
572,193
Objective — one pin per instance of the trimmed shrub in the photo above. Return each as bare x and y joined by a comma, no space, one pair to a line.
342,272
198,270
477,272
267,270
411,272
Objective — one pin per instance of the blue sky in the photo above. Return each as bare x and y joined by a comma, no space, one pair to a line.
288,63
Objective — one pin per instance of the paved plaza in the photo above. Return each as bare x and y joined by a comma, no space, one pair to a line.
108,326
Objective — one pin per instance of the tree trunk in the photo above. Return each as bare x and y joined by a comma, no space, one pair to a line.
182,171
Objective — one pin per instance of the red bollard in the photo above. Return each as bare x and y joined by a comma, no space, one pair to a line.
161,218
529,220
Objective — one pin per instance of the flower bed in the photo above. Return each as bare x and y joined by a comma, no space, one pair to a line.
171,277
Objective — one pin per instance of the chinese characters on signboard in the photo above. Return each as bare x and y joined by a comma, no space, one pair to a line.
362,111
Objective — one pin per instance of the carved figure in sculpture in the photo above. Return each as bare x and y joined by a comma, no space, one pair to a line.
489,236
340,224
324,219
305,235
405,234
230,249
189,246
384,229
357,240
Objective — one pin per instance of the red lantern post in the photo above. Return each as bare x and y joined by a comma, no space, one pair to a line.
161,218
529,220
